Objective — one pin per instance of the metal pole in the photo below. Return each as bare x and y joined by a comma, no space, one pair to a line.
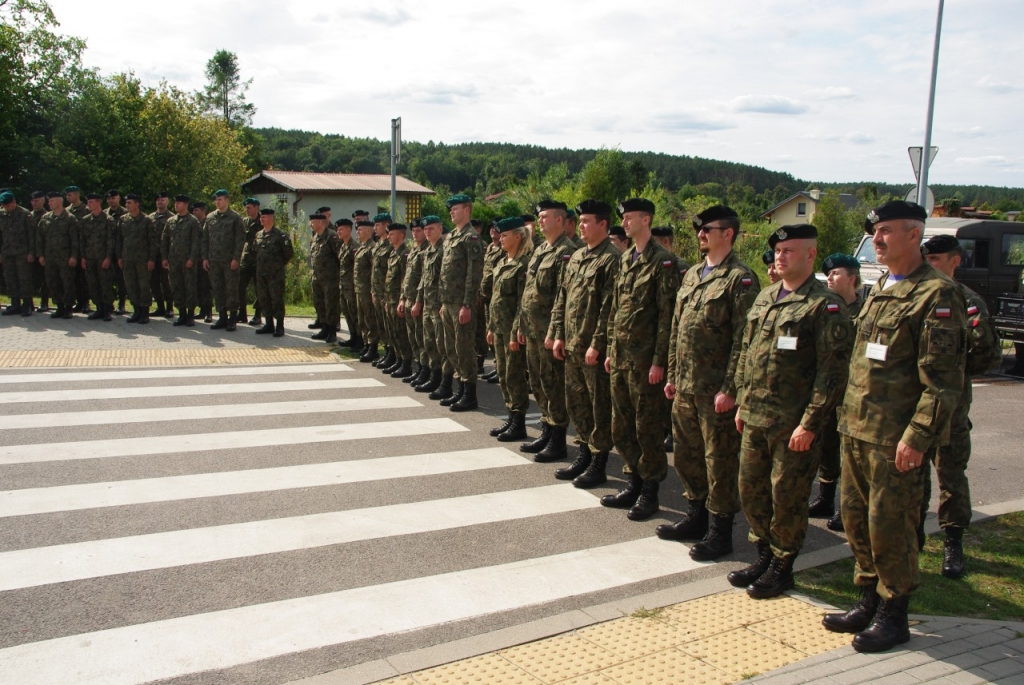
394,164
926,153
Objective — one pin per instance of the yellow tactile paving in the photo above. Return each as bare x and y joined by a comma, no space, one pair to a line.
708,615
181,357
400,680
559,658
589,679
801,631
489,668
741,652
631,638
670,667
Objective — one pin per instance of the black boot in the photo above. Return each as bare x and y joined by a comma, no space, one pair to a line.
242,315
670,445
495,432
578,466
315,325
68,312
404,370
207,315
538,444
279,329
107,309
493,378
859,617
444,388
231,322
44,304
836,522
96,315
182,318
432,383
647,505
555,449
718,541
921,539
160,311
468,401
26,307
479,364
391,368
268,327
693,525
256,319
370,354
190,317
134,318
387,360
58,313
222,321
594,475
421,377
169,310
322,334
516,430
627,496
415,375
774,581
748,575
888,628
493,373
332,335
454,397
953,554
824,505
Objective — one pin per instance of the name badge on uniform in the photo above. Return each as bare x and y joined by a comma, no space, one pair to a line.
877,351
787,342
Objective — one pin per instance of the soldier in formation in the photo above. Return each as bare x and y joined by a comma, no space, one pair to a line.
17,254
380,254
323,258
99,239
252,224
394,278
138,249
346,281
414,324
362,276
273,250
428,307
161,281
180,247
223,241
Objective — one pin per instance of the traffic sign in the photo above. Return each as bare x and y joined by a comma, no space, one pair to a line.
929,198
915,159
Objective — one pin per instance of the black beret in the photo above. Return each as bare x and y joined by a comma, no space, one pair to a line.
343,222
317,217
199,205
940,244
53,194
4,190
181,198
382,218
324,209
133,196
162,194
494,224
93,196
360,212
714,213
594,207
636,204
267,211
792,232
36,194
769,258
528,218
113,193
364,222
476,223
549,204
458,199
397,227
618,231
662,231
892,210
837,261
510,223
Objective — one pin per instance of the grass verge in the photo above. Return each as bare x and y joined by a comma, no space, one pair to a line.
991,588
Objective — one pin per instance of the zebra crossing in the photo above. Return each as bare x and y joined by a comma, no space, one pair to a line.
265,524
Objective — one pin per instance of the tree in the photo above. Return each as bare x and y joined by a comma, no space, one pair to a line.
225,91
838,228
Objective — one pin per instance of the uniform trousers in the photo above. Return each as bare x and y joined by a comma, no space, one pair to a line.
547,380
511,368
706,452
588,400
459,343
434,341
137,280
183,284
638,422
270,292
18,275
101,282
224,284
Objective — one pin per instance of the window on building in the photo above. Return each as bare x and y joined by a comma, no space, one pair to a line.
412,207
801,209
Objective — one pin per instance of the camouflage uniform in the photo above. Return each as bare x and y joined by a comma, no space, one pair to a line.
223,241
99,235
80,211
984,354
204,291
398,261
909,396
547,374
347,286
428,295
160,282
362,267
120,286
323,258
272,251
509,282
378,276
639,332
780,389
580,318
414,325
180,243
247,264
38,270
707,330
830,464
18,242
137,245
58,241
462,266
492,256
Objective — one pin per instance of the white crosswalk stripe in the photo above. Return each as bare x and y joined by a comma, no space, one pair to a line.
141,374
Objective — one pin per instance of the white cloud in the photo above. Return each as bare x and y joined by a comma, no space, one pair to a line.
831,93
971,132
988,160
996,85
768,104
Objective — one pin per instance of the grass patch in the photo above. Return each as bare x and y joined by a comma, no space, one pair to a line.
991,588
657,614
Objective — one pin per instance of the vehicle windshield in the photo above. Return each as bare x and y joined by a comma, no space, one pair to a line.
866,252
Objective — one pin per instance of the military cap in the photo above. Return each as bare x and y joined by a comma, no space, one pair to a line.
397,227
458,199
839,260
792,232
769,258
267,211
662,231
53,194
940,244
549,204
343,222
714,213
251,201
364,222
476,223
322,210
72,189
569,214
133,196
36,194
383,217
528,218
199,205
4,190
430,219
6,198
317,217
594,207
221,193
359,213
162,194
510,223
636,204
93,196
892,210
618,231
181,198
113,192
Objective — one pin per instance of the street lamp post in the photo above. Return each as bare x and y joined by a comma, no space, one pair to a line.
922,179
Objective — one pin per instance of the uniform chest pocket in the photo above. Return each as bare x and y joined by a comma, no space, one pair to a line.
716,306
893,329
507,287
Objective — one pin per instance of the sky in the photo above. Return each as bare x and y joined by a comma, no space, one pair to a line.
827,90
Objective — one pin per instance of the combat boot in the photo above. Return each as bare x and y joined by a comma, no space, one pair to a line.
11,309
432,383
256,319
222,321
96,315
555,449
144,316
169,310
859,617
394,366
455,397
69,312
774,581
242,315
420,378
370,354
403,371
444,389
231,322
538,444
207,315
468,400
594,475
332,335
182,318
578,466
134,318
58,313
315,325
279,329
921,538
493,378
824,505
953,554
480,363
748,575
836,522
888,628
495,432
268,327
121,303
670,445
190,317
627,496
493,373
44,304
718,542
516,430
693,525
322,334
415,375
647,504
387,360
26,307
160,311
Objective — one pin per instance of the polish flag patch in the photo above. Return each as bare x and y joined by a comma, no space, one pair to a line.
747,280
566,257
833,308
667,264
972,310
943,313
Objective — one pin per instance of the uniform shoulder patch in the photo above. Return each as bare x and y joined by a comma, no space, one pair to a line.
667,264
682,272
746,280
972,310
833,308
942,341
943,312
567,256
474,236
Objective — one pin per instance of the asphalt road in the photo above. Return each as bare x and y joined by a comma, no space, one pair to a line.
151,533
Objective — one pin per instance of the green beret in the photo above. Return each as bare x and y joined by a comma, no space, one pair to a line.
510,223
714,213
839,260
72,189
113,193
430,219
6,198
199,205
324,210
162,194
892,210
54,193
181,198
382,218
221,193
360,212
940,244
250,201
792,232
397,227
36,194
458,199
134,197
570,214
